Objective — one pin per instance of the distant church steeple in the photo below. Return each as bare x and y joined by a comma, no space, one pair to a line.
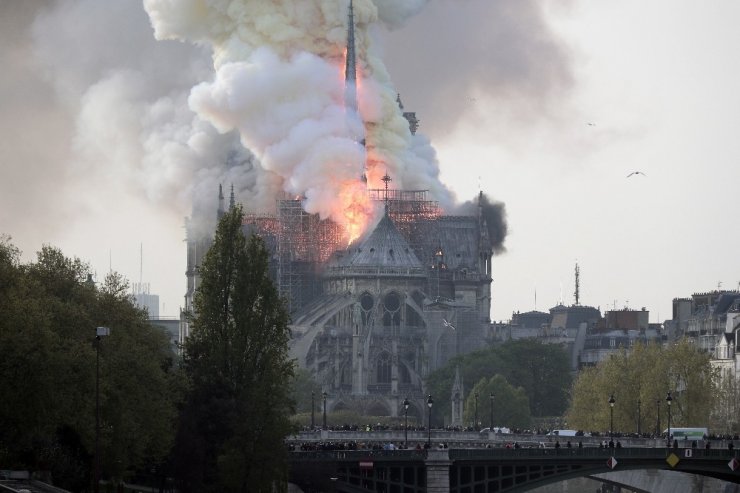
232,201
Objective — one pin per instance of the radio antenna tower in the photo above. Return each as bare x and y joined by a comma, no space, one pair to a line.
578,285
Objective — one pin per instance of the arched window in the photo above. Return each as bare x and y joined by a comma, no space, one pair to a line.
391,310
383,369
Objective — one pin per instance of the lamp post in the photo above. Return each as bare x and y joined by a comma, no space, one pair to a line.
406,404
491,417
313,407
324,394
669,400
611,417
638,417
475,424
657,421
99,333
430,402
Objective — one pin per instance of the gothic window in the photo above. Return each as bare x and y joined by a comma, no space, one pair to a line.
383,369
367,302
392,310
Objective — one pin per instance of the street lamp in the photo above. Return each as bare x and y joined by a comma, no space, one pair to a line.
313,407
638,416
475,424
430,402
324,394
657,422
491,396
669,400
406,404
611,417
99,333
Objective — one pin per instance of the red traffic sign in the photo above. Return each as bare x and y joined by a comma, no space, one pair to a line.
734,464
611,463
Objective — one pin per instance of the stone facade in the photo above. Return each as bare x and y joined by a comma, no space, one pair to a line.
387,318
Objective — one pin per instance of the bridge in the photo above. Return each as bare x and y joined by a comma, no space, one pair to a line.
473,470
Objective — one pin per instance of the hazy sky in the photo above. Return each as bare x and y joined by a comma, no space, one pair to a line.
546,106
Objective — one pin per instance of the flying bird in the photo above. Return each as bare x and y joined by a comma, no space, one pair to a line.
448,324
591,124
636,173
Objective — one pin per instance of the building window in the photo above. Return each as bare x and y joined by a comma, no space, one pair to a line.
383,369
391,310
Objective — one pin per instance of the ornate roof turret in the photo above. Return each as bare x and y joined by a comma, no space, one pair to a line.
384,252
385,247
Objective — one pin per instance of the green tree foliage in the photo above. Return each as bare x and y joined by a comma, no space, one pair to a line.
542,370
510,404
236,357
301,387
646,373
48,372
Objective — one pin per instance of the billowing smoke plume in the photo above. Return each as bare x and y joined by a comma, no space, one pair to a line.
97,132
494,214
279,82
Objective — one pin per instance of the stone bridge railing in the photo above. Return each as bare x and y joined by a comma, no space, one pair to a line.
493,469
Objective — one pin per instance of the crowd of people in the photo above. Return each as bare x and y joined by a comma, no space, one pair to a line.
353,445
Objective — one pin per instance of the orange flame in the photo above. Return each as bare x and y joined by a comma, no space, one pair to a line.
355,209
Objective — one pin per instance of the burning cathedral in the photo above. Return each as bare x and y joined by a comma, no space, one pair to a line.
373,317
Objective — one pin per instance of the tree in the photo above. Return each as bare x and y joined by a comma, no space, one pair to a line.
236,358
301,387
541,370
47,366
510,404
645,373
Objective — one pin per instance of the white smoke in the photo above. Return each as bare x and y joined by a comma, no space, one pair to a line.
279,81
129,94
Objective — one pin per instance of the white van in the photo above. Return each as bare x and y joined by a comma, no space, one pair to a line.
562,433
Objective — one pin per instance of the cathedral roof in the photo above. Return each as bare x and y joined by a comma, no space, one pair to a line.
385,247
384,250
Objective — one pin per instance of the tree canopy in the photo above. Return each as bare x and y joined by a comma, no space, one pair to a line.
646,374
48,370
510,404
236,357
541,370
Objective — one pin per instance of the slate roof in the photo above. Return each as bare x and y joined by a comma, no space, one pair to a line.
385,247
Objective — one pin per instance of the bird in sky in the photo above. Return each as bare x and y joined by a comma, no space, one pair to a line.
636,173
448,324
591,124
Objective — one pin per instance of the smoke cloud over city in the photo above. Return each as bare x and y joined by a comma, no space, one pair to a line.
279,82
103,122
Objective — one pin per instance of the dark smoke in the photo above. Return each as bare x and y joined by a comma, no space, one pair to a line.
494,212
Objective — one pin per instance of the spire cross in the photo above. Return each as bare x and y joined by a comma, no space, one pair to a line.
386,179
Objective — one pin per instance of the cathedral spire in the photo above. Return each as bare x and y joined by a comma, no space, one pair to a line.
220,211
350,78
232,202
350,72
